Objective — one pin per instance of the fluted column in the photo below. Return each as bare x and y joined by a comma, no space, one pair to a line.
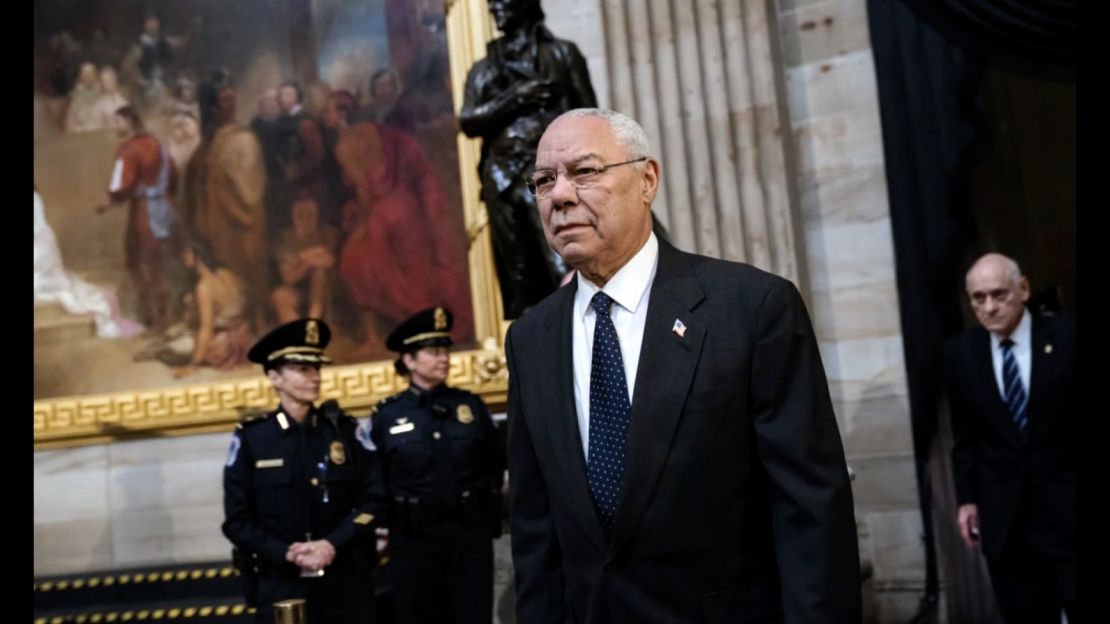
700,77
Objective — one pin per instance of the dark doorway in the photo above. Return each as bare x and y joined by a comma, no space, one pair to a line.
978,110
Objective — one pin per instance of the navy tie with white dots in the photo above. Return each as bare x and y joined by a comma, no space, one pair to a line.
609,415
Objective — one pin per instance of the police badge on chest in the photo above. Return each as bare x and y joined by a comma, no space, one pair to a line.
337,453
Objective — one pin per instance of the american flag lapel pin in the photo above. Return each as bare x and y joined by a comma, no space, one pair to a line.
679,328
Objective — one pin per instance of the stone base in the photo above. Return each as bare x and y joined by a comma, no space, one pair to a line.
55,326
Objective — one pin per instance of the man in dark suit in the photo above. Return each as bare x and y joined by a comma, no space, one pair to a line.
673,452
1010,385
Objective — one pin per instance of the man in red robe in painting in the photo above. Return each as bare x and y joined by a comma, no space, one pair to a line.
400,256
143,178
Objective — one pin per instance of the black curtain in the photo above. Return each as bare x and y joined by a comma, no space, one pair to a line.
932,59
1033,37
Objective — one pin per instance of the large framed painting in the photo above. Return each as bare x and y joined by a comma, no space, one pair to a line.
207,169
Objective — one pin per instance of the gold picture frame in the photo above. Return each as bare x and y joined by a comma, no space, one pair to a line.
210,407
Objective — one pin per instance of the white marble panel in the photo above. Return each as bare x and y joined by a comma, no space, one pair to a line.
884,482
855,312
171,472
854,254
71,546
852,366
782,7
71,484
166,496
897,540
839,195
823,30
159,535
837,85
846,140
876,423
580,21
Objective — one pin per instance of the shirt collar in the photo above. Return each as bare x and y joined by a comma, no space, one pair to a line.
628,284
1021,334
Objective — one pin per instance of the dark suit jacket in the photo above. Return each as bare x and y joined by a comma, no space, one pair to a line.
736,506
1031,481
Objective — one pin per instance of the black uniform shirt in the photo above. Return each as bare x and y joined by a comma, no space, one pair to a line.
287,482
437,445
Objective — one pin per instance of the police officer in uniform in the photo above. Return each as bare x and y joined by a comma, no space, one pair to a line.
302,490
443,466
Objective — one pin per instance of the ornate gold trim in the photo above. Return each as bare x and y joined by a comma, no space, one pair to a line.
217,407
204,408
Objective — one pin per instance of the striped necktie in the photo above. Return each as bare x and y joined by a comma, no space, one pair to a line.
1014,395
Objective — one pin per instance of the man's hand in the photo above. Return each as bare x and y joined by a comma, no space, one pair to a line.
968,519
537,93
314,555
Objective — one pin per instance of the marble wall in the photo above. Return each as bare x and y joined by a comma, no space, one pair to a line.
842,205
138,503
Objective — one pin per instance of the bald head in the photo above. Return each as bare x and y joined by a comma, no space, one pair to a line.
993,262
998,292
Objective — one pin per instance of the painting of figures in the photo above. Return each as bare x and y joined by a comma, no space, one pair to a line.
207,169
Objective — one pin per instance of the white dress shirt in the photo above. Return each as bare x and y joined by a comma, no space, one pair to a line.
1023,352
629,288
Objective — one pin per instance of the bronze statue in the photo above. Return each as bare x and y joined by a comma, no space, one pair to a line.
527,78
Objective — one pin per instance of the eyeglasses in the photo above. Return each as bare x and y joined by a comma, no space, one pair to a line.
542,181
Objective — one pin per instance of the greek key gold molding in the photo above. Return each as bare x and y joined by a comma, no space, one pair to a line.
206,408
216,407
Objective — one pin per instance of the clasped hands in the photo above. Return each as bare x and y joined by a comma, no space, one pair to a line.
314,555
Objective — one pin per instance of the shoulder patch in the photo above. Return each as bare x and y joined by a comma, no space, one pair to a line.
362,434
233,450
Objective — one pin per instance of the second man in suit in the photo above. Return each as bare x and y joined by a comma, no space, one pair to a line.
1011,388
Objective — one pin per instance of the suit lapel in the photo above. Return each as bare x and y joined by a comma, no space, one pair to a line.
666,369
1041,360
562,422
983,368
